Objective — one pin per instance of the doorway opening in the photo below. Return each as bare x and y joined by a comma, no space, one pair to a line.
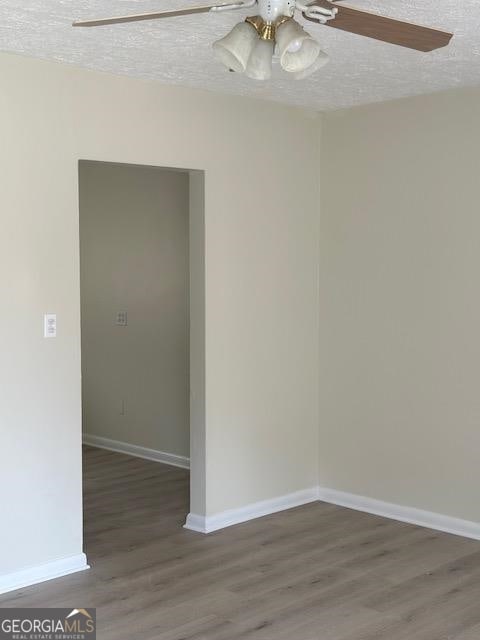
142,309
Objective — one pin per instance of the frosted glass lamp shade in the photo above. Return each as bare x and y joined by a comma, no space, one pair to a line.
296,48
259,66
235,48
320,62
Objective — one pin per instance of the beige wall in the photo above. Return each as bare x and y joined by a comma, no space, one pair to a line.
261,281
400,310
134,258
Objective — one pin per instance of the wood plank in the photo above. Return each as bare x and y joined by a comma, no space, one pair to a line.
310,573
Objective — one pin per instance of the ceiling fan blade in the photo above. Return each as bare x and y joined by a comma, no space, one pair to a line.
371,25
154,16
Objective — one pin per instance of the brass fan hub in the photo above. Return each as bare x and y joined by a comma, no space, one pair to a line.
266,30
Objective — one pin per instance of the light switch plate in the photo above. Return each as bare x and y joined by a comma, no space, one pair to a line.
50,325
121,318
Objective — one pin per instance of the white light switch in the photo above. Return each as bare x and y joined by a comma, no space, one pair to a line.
121,318
50,325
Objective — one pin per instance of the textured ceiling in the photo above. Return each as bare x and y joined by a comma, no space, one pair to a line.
178,51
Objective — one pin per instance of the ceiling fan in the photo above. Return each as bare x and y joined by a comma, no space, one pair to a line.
250,46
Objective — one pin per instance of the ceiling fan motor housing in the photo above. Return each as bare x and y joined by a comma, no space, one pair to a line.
271,10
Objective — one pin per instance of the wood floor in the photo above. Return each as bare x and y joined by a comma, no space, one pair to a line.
316,572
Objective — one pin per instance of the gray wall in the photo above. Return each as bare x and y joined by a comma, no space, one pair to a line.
134,258
400,304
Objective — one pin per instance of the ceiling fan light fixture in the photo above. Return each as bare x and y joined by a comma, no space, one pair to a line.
320,62
250,45
259,65
235,49
297,49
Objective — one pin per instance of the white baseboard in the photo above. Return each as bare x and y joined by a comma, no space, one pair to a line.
195,522
42,573
207,524
134,450
429,519
419,517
